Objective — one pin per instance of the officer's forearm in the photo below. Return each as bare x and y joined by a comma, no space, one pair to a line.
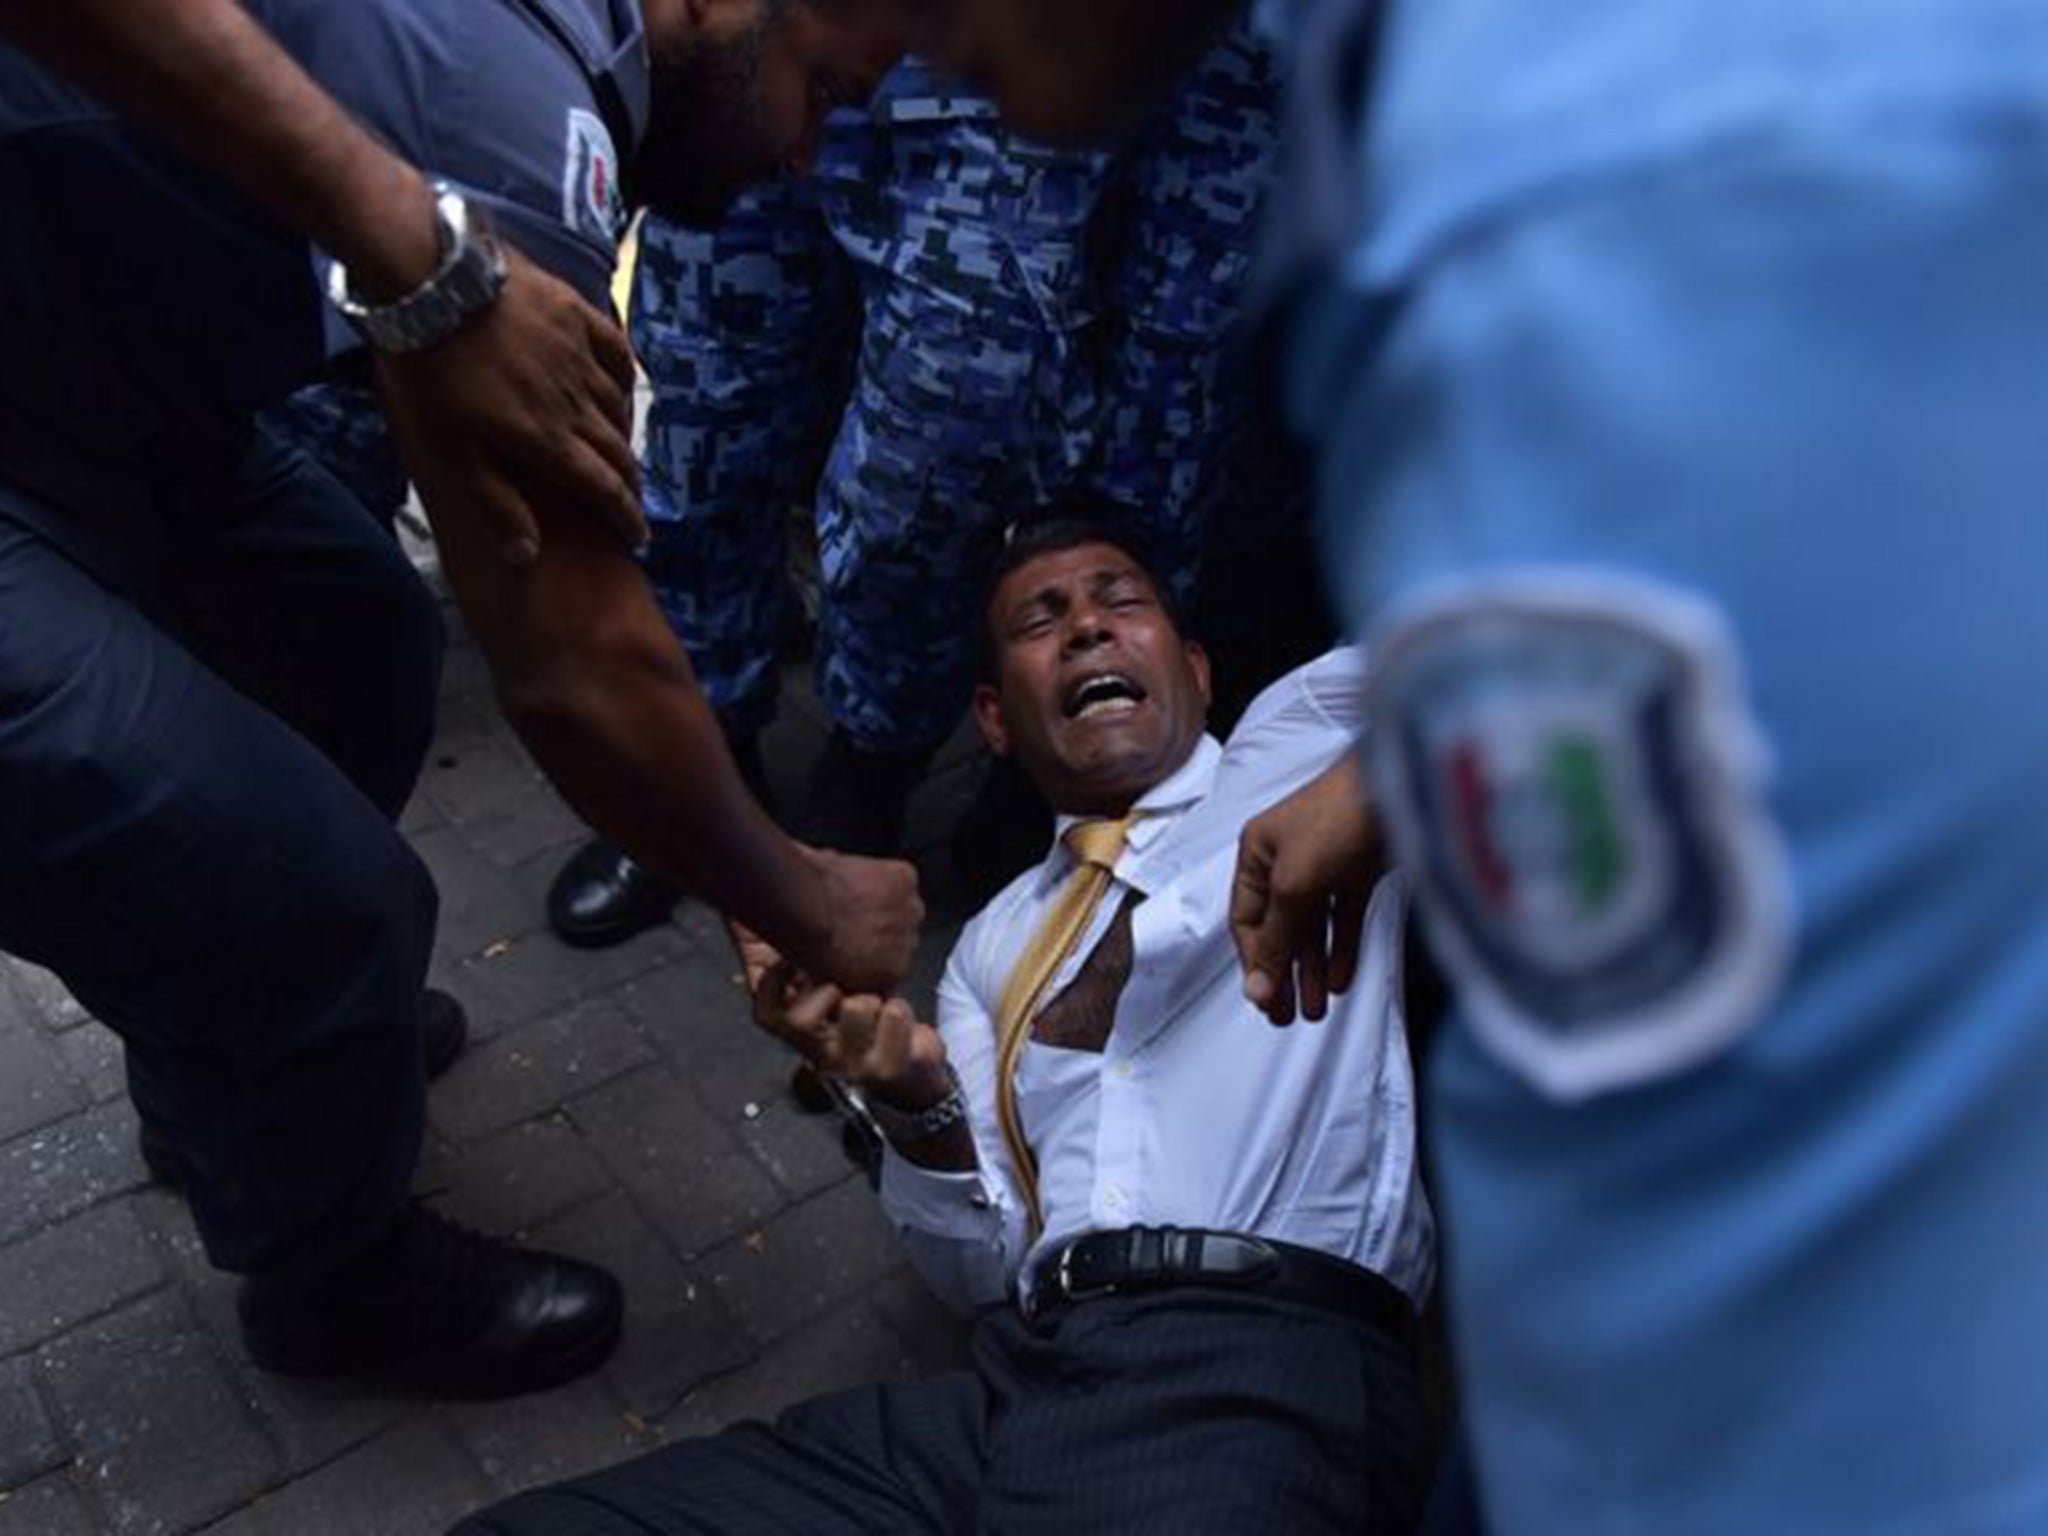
208,76
620,727
594,681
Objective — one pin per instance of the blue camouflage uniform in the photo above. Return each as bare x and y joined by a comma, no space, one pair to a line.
340,426
1682,385
217,676
1179,429
942,328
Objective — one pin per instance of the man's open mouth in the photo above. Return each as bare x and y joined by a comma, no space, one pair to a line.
1104,694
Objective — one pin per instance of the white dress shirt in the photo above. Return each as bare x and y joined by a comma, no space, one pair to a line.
1197,1112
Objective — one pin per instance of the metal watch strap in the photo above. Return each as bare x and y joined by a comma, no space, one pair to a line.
469,279
908,1127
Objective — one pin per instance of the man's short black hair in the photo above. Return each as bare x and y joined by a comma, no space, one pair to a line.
1063,525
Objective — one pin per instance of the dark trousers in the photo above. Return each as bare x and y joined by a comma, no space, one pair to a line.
201,760
1453,1508
1185,1413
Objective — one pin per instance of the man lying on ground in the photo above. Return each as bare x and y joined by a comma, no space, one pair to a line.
1195,1244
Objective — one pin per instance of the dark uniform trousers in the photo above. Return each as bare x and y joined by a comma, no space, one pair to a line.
1182,1413
204,743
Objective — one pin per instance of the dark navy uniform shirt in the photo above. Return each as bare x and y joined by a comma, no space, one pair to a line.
147,309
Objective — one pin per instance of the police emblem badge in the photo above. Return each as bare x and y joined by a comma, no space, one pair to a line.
1571,773
593,204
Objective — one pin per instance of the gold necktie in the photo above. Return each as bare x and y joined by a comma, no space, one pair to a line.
1095,846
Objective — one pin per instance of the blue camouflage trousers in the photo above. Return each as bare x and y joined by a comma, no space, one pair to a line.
341,427
939,330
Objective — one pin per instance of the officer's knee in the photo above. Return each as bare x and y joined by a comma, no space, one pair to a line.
405,697
380,907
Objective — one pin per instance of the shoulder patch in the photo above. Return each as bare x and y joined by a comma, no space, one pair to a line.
592,203
1571,772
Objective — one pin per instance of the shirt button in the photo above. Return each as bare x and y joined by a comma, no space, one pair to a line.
1124,1067
979,1200
1113,1198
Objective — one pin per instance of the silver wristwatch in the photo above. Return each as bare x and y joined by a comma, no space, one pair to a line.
908,1127
469,279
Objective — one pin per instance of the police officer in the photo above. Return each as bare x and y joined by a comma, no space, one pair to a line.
204,73
1677,377
910,319
216,677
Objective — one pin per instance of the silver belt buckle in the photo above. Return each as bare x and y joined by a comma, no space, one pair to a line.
1065,1274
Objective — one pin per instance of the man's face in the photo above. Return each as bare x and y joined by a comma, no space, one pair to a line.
1096,692
1072,71
742,89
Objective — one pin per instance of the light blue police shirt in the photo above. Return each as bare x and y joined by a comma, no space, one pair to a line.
1683,401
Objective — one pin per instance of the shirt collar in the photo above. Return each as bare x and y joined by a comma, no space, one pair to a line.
1187,786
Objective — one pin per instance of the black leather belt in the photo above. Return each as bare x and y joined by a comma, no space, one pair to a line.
1134,1259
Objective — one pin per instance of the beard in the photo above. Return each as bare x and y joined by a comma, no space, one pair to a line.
706,136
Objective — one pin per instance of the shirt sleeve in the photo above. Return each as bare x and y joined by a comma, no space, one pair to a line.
478,99
1335,686
964,1232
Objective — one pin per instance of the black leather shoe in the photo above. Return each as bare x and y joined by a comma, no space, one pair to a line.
444,1030
602,897
437,1306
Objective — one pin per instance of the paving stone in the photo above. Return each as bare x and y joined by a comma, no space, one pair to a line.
313,1421
67,1273
477,779
28,1443
464,673
481,904
16,1009
65,1167
531,1070
705,928
806,1260
516,980
36,1083
316,1419
420,815
97,1060
51,1507
848,1347
48,996
678,1330
804,1152
695,1013
511,1182
162,1437
691,1176
414,1481
532,824
548,1436
208,1292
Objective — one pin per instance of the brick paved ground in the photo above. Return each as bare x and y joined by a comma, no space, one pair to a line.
617,1105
